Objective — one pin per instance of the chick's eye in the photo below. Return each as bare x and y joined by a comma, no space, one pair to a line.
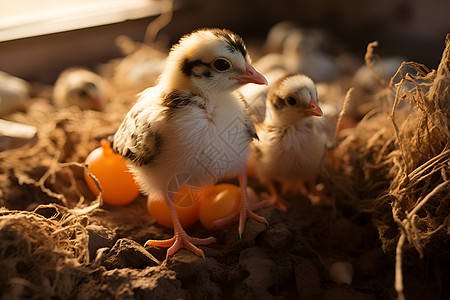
291,101
221,65
83,93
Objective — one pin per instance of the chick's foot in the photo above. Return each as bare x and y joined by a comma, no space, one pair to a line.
182,240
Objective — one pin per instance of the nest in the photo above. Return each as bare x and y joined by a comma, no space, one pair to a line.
41,256
46,202
397,161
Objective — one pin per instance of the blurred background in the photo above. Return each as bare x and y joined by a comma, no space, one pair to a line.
40,38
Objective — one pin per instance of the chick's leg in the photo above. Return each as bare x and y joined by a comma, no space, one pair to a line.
275,198
180,239
245,211
295,187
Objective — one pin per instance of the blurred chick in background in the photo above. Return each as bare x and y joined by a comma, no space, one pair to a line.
81,87
277,36
140,67
293,140
371,83
14,93
297,50
279,33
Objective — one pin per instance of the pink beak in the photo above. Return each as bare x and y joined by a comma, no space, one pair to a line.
98,103
250,76
313,109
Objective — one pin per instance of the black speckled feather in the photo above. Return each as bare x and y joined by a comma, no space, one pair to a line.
235,42
142,147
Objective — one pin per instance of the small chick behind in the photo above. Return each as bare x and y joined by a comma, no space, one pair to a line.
81,87
293,140
301,53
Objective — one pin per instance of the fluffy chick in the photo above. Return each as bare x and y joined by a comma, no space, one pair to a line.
80,87
141,66
192,123
292,139
277,36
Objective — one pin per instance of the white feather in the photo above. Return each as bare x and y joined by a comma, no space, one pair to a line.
290,152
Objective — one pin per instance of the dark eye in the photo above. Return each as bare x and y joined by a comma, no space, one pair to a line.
90,85
221,65
83,93
291,101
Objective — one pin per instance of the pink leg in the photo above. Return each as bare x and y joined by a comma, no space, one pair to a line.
245,210
180,239
275,198
295,187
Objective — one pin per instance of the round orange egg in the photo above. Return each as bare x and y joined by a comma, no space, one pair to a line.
116,180
218,202
186,204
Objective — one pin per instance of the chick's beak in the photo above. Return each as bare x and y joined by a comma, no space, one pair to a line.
98,103
313,109
250,76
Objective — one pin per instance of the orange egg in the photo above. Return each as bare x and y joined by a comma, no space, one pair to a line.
218,202
186,204
116,180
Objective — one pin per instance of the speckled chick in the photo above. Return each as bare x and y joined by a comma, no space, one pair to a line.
192,124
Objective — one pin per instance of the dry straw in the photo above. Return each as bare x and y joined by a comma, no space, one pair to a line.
42,257
397,162
44,251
